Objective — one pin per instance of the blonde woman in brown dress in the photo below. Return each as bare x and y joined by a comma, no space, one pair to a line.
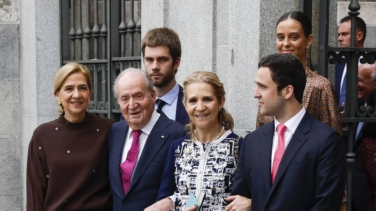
294,36
67,164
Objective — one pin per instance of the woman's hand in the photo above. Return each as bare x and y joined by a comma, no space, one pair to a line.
165,204
238,203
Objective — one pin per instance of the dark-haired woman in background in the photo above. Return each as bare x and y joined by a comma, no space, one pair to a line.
67,166
294,36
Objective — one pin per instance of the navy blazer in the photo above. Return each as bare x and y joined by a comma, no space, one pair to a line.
360,187
181,113
338,76
339,68
311,175
148,173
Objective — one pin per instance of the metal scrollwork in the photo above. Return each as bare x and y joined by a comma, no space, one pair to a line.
340,57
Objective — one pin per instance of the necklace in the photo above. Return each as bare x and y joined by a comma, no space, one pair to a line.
216,138
220,133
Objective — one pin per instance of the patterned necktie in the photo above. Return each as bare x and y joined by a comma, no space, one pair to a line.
127,167
160,103
281,128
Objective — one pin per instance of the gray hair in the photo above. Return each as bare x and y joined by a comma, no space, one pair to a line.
149,82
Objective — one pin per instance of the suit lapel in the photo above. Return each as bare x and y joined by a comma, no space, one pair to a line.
265,149
181,113
339,68
119,137
297,140
154,142
360,135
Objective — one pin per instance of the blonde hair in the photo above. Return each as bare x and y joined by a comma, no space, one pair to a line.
224,118
68,69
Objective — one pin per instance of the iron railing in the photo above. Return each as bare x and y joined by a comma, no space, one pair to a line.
352,113
104,36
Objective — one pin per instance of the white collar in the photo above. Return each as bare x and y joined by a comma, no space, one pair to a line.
170,96
149,126
293,122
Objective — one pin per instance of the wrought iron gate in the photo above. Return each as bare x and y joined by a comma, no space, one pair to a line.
353,113
104,36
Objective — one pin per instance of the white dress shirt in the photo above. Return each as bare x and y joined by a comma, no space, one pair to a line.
142,140
171,99
291,126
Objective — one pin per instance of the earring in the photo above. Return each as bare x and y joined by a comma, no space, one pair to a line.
88,106
308,57
60,109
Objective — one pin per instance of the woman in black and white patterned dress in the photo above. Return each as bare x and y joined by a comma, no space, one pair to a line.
206,159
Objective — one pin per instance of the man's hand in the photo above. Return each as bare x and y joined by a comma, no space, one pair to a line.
165,204
342,111
238,203
193,208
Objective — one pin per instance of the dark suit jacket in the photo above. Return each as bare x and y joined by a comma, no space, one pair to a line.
338,76
311,175
339,68
147,176
181,113
360,187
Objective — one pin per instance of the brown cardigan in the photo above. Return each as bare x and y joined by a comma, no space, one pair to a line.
67,166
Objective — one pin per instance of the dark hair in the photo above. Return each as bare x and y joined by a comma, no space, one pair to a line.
300,17
163,37
360,24
286,69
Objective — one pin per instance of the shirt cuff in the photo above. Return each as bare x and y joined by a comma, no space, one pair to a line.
173,198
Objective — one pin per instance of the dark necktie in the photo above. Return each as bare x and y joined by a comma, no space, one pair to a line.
160,103
281,128
128,165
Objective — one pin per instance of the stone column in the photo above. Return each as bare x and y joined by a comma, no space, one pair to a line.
40,59
11,182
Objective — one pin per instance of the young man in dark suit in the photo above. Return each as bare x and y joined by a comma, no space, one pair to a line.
161,50
294,162
138,146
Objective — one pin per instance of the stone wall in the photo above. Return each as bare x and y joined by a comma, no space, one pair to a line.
220,36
